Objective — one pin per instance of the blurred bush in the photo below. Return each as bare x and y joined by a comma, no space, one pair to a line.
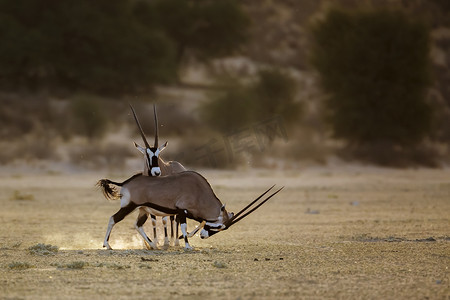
92,45
206,29
375,68
88,117
272,93
110,47
229,110
100,155
275,94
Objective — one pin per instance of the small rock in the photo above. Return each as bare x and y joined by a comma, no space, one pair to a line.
148,259
219,265
312,211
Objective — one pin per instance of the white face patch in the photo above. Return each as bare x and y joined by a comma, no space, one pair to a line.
204,234
156,171
151,153
215,226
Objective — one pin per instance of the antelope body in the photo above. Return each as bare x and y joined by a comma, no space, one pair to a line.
186,194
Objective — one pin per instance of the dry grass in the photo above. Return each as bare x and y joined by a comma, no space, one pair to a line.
377,234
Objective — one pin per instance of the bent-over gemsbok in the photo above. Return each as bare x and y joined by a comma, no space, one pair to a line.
186,195
154,165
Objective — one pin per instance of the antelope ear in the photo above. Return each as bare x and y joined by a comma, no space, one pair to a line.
141,149
163,147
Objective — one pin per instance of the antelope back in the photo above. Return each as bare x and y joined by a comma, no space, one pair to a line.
182,191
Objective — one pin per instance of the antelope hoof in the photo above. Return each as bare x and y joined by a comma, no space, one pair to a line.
188,248
107,246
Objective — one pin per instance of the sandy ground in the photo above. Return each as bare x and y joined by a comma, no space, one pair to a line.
346,233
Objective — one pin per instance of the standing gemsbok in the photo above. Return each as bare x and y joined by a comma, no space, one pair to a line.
186,195
154,165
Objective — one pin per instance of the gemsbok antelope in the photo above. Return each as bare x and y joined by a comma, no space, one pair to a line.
186,195
154,165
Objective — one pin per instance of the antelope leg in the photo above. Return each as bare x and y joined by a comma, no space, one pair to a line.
141,219
166,238
155,237
140,228
114,219
191,234
181,218
173,225
177,225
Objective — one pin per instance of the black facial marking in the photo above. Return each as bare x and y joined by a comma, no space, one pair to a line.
154,161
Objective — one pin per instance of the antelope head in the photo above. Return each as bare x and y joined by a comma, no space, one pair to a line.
151,154
226,219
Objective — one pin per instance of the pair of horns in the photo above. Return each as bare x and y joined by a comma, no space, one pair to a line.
237,217
142,131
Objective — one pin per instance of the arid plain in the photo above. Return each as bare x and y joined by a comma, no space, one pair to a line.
333,233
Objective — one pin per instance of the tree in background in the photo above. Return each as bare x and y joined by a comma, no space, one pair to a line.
272,93
110,47
374,67
206,29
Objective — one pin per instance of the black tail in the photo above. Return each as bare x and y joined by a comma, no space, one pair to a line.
110,192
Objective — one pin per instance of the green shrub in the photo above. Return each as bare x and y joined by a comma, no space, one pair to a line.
271,94
17,195
17,265
91,45
76,265
110,47
43,249
274,94
89,118
229,111
374,65
206,29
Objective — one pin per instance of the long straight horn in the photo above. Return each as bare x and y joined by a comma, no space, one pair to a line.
140,128
156,126
251,203
235,218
